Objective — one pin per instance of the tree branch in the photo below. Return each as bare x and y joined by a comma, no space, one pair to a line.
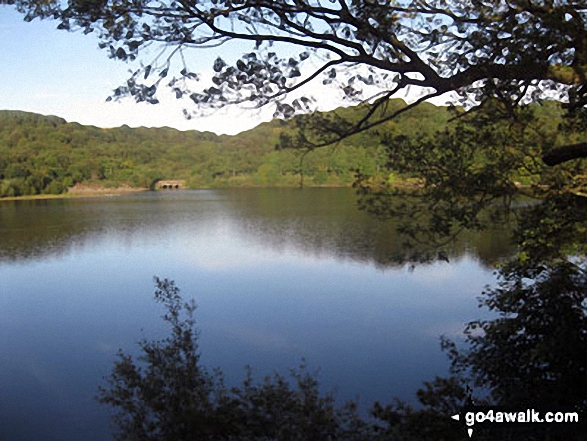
565,153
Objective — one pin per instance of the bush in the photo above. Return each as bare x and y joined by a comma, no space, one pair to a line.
168,395
54,187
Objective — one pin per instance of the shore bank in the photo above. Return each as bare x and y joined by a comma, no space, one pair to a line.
81,191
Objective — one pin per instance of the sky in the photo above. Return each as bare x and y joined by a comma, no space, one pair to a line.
53,72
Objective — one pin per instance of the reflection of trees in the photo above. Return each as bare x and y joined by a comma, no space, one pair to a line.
533,354
321,222
553,230
327,223
38,229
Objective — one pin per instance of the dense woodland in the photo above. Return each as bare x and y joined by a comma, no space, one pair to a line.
46,155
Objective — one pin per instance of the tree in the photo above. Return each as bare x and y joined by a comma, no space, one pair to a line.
536,352
533,355
465,176
514,51
168,395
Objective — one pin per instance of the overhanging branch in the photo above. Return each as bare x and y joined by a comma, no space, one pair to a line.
565,153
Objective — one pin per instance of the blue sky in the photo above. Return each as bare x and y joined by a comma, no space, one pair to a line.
54,72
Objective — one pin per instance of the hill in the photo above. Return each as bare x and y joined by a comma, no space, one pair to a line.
46,154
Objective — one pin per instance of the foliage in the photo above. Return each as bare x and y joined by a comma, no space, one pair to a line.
165,400
497,56
536,352
552,231
532,355
166,394
470,175
46,155
170,396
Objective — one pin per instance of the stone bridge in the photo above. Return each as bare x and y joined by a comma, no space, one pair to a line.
170,184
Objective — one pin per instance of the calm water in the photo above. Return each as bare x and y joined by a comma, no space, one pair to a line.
277,275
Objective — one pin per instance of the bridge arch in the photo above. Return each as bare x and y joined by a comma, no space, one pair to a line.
169,184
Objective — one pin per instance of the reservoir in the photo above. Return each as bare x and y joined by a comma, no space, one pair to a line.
279,276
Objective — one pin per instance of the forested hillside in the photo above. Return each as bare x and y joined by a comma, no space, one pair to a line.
46,155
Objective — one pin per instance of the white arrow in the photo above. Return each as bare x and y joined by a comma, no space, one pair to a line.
456,417
470,432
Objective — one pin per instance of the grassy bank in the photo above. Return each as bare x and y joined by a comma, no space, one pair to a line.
80,192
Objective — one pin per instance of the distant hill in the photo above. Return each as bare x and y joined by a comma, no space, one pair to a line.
46,154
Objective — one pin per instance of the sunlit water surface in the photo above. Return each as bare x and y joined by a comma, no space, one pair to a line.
278,275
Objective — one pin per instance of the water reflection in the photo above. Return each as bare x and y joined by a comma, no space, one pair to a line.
328,223
319,222
277,274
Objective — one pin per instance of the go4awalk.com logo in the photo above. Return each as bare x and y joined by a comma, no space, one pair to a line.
490,419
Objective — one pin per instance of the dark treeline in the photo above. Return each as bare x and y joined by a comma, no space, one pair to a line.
46,155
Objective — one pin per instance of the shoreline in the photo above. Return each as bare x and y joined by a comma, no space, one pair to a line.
112,192
79,192
94,191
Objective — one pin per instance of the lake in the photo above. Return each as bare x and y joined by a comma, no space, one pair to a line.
278,275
